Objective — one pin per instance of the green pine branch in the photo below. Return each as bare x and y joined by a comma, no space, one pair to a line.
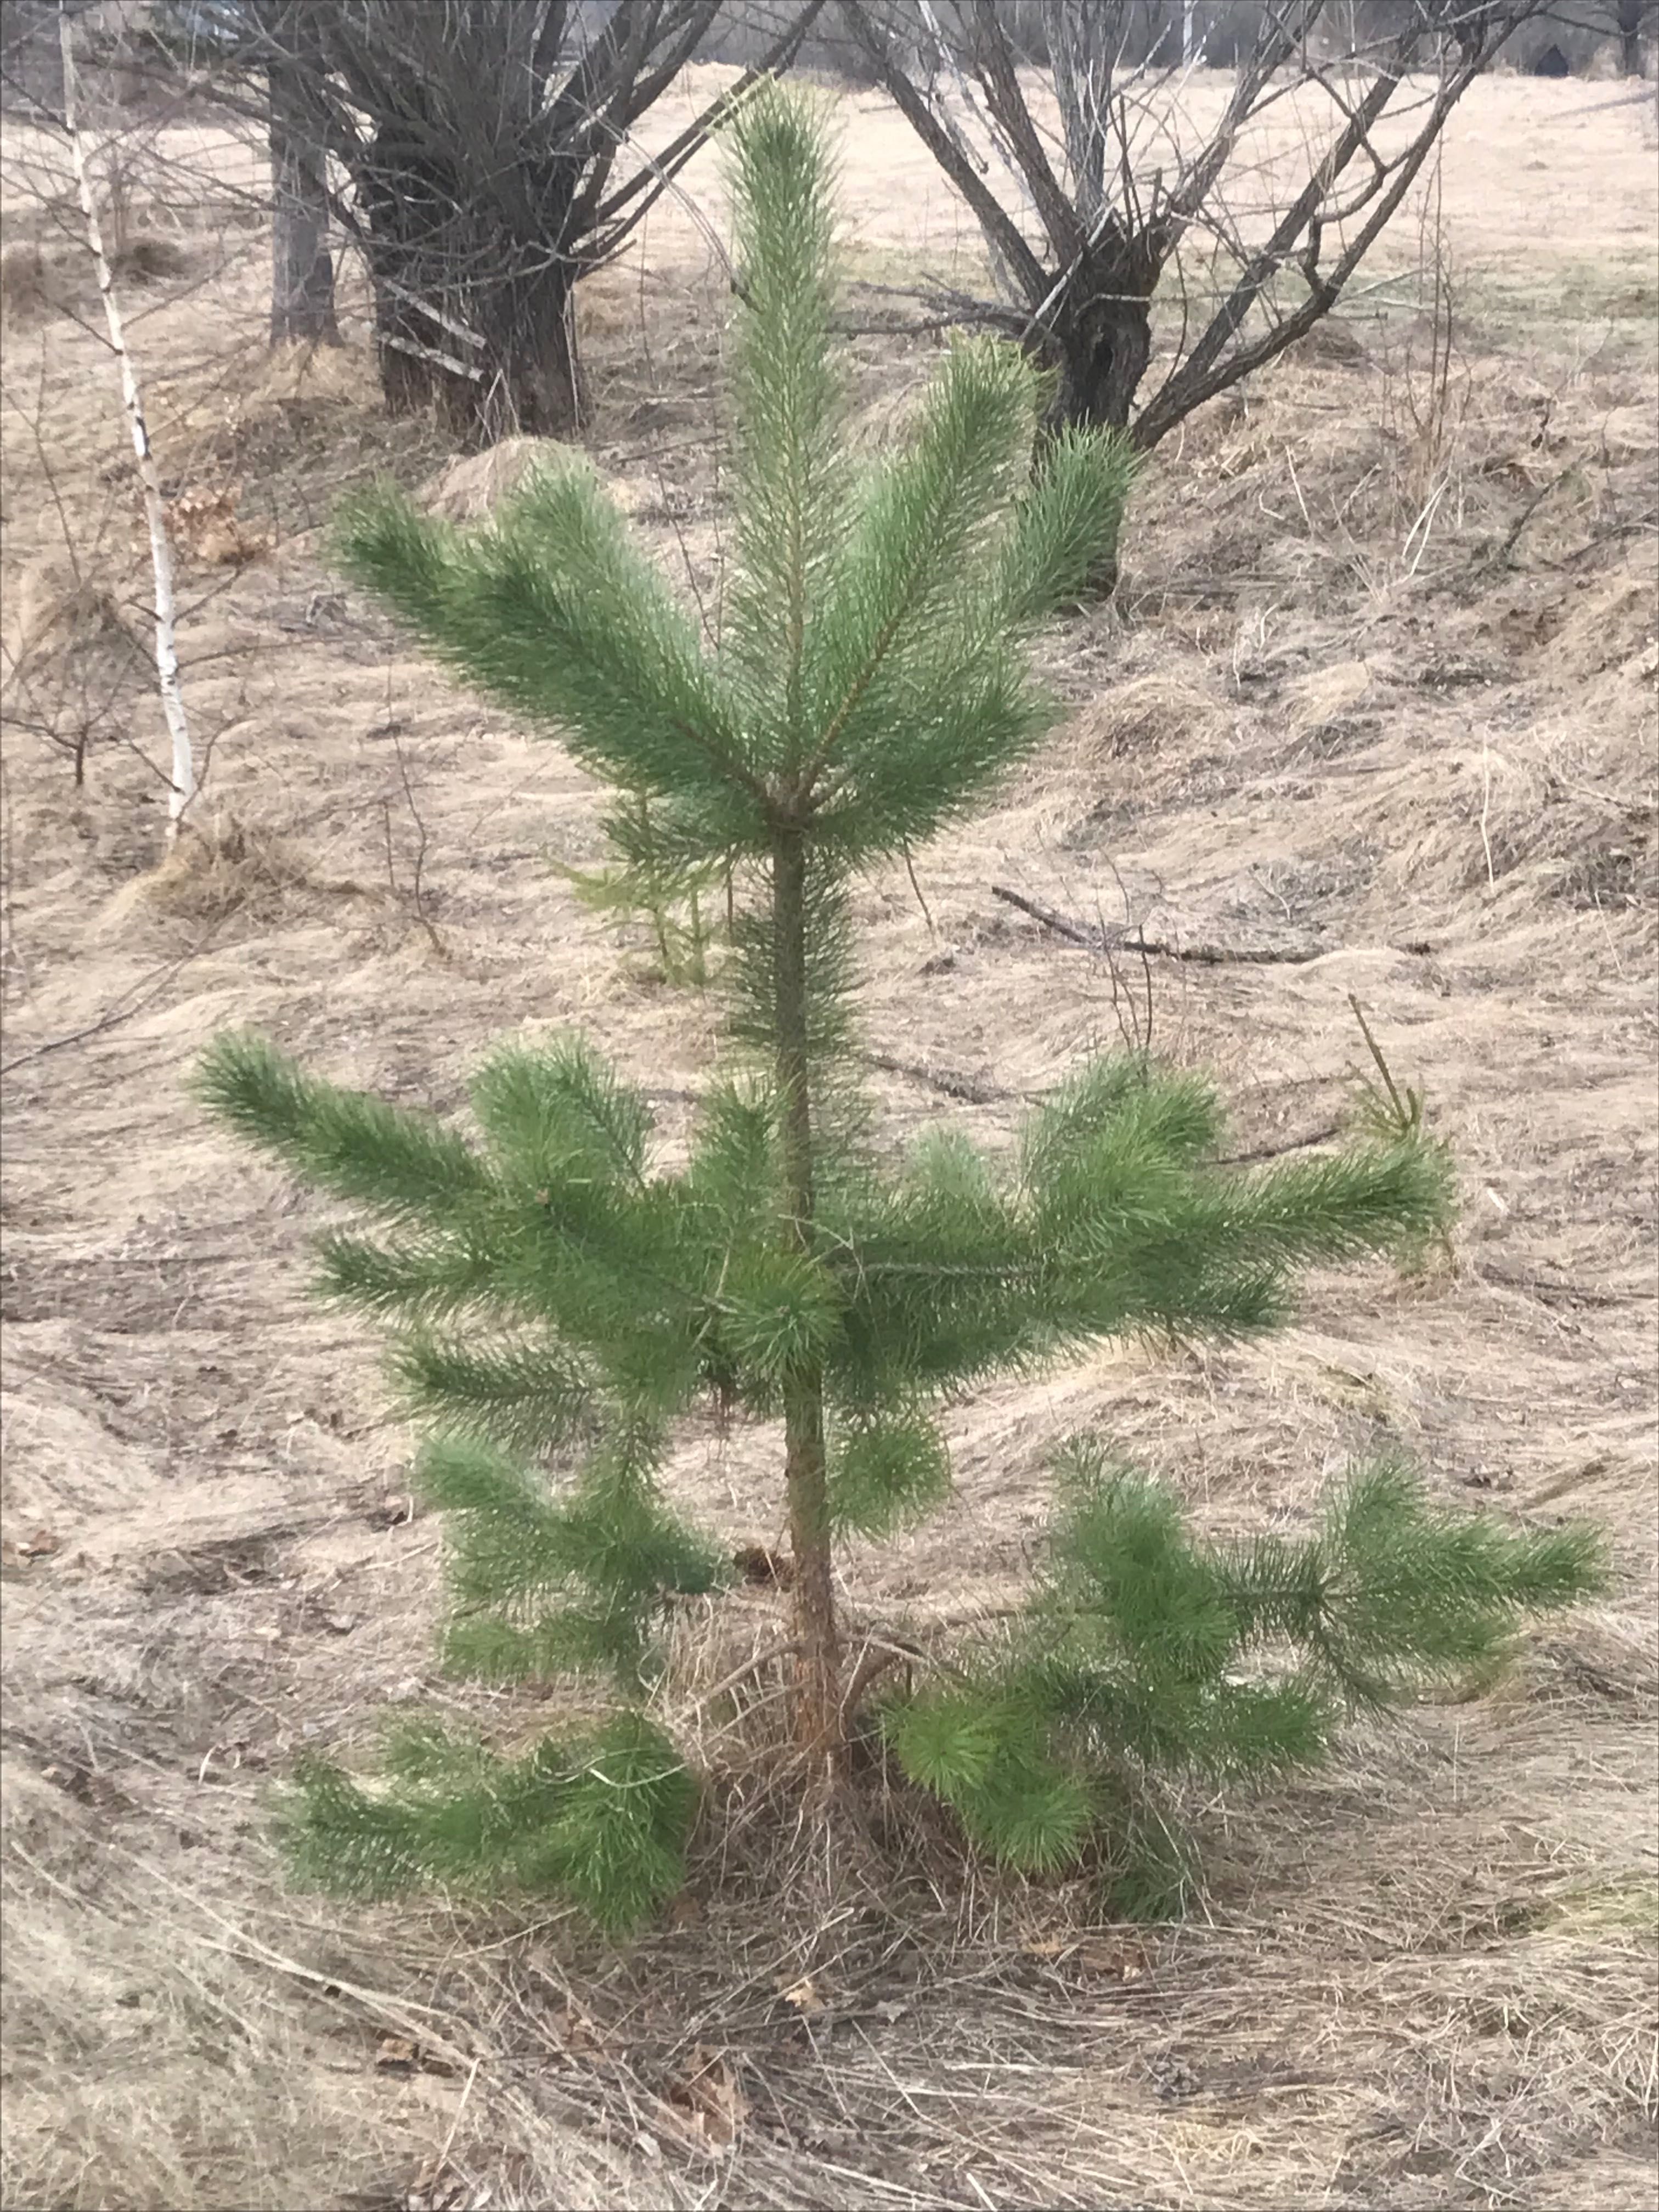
674,897
552,611
1148,1653
528,1397
601,1820
404,1166
789,386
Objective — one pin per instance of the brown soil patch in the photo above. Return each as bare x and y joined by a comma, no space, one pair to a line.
1423,748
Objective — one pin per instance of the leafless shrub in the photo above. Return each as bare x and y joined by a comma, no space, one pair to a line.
1134,228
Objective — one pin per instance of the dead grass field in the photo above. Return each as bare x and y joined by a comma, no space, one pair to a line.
1387,707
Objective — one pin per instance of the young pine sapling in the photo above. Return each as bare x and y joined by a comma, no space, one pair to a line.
560,1299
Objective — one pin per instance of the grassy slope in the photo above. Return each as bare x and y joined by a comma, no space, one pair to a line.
1427,1980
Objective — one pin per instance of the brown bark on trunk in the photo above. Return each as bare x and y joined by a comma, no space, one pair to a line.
819,1721
465,319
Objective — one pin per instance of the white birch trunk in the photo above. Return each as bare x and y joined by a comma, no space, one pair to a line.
156,513
1186,34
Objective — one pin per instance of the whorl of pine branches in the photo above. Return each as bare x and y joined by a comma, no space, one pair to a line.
559,1296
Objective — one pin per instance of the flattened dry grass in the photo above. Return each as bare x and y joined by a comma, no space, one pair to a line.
1398,1994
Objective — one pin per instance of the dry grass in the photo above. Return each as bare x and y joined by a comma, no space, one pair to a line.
1427,755
469,486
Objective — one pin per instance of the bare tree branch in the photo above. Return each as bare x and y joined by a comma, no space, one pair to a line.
1145,190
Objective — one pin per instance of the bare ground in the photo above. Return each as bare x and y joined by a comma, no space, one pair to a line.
1378,692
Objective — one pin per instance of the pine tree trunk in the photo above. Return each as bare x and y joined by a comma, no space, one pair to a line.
819,1724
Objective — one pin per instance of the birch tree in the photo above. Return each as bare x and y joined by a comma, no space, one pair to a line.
183,778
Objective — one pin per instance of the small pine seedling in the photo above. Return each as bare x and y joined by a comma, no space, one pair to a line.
679,903
1393,1114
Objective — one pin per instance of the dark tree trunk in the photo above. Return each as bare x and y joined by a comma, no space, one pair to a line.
1099,333
301,265
1100,350
480,137
1098,345
467,318
534,380
523,377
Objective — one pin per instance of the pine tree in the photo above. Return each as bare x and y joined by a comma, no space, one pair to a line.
559,1299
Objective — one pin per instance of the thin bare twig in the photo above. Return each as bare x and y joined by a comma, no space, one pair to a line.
418,891
147,989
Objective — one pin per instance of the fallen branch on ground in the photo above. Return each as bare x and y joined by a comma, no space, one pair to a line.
967,1088
1093,939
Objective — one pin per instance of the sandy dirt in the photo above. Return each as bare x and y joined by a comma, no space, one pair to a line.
1378,693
